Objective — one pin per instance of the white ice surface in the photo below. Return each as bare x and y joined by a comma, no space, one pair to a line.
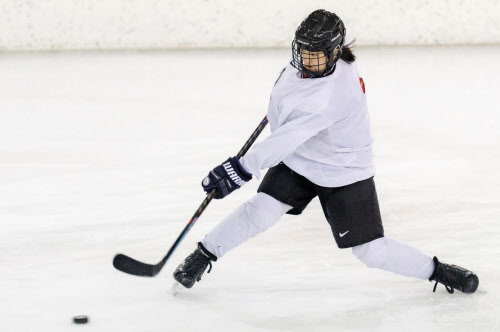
104,152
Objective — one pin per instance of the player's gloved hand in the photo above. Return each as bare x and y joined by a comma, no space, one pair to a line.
226,178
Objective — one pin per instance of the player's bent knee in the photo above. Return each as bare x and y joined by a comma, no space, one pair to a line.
264,211
373,253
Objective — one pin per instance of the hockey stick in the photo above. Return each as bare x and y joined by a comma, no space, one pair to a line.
131,266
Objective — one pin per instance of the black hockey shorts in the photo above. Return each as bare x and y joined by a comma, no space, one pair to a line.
352,211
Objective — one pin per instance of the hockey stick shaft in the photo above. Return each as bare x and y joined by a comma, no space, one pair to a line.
131,266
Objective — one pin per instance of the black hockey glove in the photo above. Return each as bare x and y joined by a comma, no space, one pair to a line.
226,178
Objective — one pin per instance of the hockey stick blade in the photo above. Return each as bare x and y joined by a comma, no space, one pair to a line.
131,266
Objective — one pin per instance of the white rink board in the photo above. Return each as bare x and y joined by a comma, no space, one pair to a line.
104,153
145,24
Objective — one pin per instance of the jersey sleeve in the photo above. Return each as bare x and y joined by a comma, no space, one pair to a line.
283,141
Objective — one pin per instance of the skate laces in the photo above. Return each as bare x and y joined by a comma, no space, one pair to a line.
449,289
450,277
209,263
209,267
196,264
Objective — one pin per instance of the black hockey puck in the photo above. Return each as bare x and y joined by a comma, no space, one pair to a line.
80,319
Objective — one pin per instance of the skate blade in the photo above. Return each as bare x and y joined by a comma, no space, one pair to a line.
176,288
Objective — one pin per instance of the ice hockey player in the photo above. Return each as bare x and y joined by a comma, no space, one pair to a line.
320,145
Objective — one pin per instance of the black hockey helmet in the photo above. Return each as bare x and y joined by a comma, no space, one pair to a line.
321,31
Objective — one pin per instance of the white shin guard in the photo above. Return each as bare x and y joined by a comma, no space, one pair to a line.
249,219
389,255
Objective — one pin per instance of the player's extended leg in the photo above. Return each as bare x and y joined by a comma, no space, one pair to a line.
393,256
249,219
389,255
354,216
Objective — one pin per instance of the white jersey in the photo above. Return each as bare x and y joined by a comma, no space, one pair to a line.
320,128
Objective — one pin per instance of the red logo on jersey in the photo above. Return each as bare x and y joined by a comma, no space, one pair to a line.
362,84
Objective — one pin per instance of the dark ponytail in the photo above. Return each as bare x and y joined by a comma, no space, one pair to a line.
347,54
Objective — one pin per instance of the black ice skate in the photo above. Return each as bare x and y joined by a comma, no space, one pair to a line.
193,267
454,277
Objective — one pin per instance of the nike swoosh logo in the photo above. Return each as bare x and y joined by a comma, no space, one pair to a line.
342,234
